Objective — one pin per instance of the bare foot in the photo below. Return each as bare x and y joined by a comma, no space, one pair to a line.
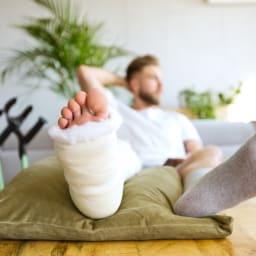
84,107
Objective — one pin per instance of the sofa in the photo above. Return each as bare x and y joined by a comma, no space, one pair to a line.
227,135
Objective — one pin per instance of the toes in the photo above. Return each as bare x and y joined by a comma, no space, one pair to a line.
78,109
66,113
63,123
81,98
75,108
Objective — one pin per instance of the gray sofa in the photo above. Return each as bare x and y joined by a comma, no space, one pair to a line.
228,136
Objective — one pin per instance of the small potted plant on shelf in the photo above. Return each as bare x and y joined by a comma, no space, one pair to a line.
200,104
206,104
225,101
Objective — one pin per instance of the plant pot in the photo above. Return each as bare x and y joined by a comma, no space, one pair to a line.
223,112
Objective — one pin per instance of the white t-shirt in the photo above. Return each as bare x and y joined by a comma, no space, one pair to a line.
154,134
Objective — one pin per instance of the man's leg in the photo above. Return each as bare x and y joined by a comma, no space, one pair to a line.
96,164
198,164
225,186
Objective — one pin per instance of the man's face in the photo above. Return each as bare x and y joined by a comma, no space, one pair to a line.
149,82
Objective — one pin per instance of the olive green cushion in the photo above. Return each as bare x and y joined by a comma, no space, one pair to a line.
37,205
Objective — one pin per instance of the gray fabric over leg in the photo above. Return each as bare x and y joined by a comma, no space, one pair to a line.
225,186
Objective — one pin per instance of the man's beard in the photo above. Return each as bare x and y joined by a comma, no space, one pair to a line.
150,99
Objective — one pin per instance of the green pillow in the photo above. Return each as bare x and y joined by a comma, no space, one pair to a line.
36,205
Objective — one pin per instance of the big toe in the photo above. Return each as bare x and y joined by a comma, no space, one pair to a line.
81,98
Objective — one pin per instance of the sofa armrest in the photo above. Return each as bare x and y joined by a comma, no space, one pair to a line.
227,135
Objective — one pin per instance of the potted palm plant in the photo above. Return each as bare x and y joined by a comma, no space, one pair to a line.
63,41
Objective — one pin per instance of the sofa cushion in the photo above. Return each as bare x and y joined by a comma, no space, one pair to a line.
36,205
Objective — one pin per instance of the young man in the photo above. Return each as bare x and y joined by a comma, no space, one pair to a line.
99,151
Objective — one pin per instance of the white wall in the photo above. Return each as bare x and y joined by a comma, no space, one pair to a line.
208,46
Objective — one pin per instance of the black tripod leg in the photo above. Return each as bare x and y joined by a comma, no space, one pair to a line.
34,130
9,104
20,118
4,135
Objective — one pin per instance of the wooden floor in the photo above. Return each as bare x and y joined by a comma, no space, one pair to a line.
243,239
241,243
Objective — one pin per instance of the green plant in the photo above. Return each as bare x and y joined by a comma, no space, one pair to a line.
204,104
229,97
201,104
63,41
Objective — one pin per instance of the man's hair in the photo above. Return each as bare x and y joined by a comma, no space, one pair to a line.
139,63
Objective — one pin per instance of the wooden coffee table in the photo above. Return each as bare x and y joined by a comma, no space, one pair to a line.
241,243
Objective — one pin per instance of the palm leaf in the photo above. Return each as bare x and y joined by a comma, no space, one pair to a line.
39,33
59,8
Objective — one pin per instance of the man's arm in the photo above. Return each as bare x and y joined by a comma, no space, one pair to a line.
192,146
92,77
